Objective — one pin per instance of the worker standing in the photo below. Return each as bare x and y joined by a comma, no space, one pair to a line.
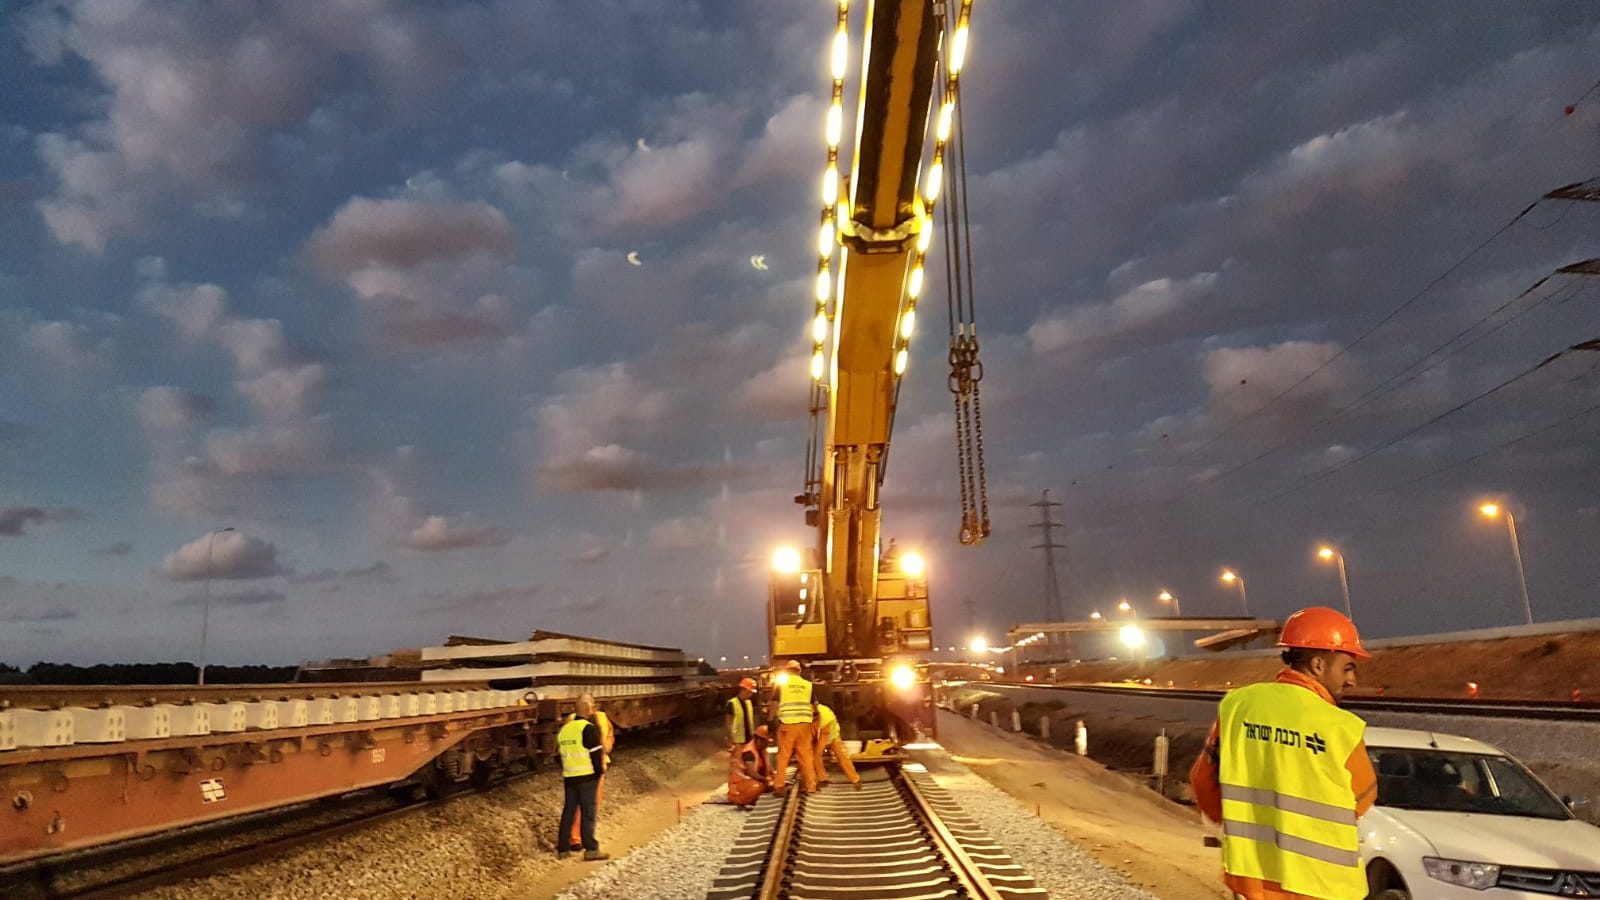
741,715
1285,770
582,762
608,739
828,739
796,735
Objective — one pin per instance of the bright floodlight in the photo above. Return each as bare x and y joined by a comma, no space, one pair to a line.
1325,553
978,644
903,676
1228,576
1164,596
786,560
1132,637
1125,606
1095,614
913,564
1490,510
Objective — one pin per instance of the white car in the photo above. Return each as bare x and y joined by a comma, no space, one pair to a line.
1458,818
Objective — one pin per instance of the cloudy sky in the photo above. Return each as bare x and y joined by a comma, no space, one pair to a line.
353,278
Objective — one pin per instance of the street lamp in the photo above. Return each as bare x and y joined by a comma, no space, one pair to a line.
1096,615
205,603
1329,554
1125,606
1133,639
979,644
1229,576
1492,511
1166,597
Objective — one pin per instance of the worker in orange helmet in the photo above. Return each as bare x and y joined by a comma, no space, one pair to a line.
797,735
747,770
1286,773
741,714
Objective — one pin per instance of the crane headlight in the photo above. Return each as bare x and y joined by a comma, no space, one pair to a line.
913,564
781,679
903,677
786,560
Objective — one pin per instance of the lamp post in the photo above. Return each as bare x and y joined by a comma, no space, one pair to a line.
1229,576
1096,615
1330,554
1492,511
1125,606
205,603
1166,597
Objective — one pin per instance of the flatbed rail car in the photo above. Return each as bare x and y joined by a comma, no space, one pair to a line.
85,766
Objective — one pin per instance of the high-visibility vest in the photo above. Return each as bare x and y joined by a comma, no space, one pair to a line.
794,701
742,729
827,724
1288,810
575,758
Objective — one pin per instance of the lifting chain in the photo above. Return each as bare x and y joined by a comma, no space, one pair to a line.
966,371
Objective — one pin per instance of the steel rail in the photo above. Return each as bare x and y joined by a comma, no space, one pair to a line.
965,870
782,848
1510,709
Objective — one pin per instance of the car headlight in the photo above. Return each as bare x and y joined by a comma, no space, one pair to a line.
1476,875
903,677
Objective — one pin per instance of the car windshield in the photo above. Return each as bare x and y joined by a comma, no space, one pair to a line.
1461,782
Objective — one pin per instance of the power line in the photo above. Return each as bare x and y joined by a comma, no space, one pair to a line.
1585,346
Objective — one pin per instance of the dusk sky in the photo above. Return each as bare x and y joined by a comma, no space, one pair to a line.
353,278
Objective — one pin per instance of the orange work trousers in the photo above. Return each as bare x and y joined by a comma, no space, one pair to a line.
841,756
577,817
746,792
798,741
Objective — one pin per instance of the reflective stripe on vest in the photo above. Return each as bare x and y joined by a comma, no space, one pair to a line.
827,723
743,713
575,758
1288,811
794,701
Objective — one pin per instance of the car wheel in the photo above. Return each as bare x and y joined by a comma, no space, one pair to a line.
1394,894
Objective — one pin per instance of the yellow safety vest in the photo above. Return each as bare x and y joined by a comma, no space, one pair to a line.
603,722
575,758
827,724
1288,810
794,701
743,712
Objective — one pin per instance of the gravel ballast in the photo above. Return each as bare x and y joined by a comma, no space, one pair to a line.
476,847
678,865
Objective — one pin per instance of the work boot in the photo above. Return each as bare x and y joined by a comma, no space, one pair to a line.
857,784
575,845
563,854
595,855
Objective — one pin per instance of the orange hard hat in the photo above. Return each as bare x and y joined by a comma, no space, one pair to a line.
792,665
1321,628
748,684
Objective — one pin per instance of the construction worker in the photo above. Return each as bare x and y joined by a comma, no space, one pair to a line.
747,779
1285,770
741,715
797,736
582,762
608,739
828,739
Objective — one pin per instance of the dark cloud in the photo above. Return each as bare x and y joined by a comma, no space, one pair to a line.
120,548
368,238
13,432
15,520
246,598
32,615
438,533
223,555
169,409
378,571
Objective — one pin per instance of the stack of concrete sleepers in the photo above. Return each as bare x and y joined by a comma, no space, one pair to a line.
562,666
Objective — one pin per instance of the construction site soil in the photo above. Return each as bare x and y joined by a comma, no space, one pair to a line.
1538,667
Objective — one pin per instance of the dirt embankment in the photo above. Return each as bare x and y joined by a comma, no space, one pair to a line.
1538,667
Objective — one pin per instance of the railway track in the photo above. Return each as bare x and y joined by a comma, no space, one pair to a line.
900,837
1504,709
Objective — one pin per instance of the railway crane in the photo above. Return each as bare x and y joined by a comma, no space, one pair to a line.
856,612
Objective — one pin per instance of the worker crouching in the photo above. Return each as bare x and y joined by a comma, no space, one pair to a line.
1286,773
797,736
828,739
748,777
